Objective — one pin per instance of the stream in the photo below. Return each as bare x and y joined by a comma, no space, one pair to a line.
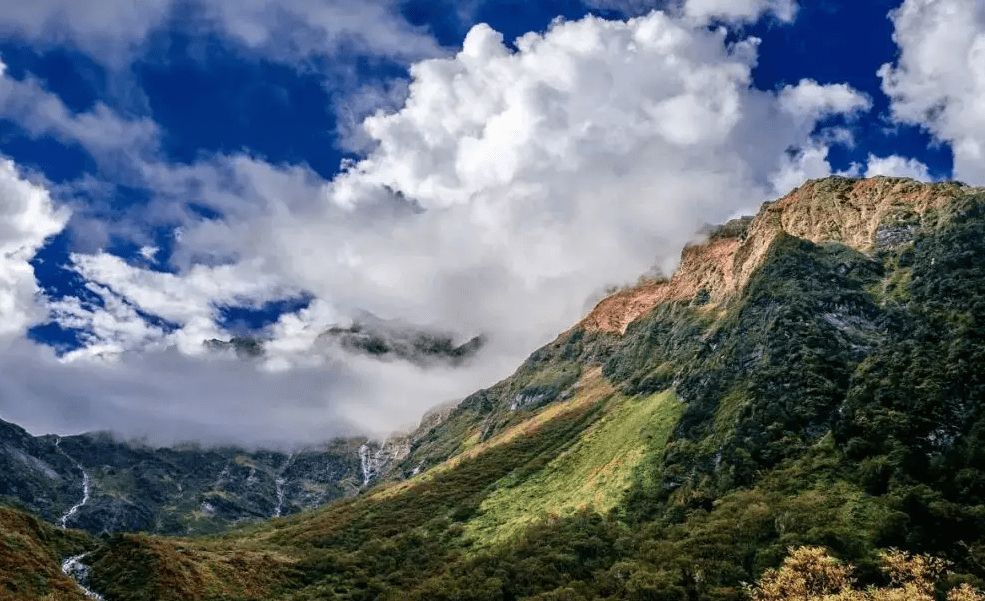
78,571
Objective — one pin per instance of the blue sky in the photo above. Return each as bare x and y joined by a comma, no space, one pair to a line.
177,171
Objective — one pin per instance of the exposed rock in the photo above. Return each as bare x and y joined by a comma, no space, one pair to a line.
864,214
389,340
244,347
100,484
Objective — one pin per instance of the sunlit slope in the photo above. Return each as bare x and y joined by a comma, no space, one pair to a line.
592,475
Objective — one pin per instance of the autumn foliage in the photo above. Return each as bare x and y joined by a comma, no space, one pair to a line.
810,574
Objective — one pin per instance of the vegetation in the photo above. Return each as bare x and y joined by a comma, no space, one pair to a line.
810,574
31,552
595,473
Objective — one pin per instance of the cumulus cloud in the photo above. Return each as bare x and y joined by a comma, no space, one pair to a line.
510,187
938,81
364,100
800,165
811,101
27,218
897,166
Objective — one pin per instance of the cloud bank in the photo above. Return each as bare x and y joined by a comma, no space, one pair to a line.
510,187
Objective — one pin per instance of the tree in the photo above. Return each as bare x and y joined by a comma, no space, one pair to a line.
810,574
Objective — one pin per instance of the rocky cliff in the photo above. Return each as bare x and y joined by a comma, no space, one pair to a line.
99,484
864,215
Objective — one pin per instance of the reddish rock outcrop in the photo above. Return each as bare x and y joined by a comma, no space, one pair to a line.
835,209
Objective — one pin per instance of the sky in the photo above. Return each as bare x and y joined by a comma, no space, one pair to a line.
177,171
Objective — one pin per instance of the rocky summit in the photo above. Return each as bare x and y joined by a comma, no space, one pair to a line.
810,377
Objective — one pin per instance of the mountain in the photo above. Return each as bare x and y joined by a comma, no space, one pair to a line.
369,335
388,340
102,485
812,375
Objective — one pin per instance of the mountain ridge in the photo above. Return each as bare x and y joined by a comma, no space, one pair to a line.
814,376
834,209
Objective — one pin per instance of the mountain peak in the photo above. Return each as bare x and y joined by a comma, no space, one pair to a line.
859,213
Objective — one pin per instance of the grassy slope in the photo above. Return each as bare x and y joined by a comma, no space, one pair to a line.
31,553
594,474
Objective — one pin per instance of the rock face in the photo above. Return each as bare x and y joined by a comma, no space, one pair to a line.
243,346
35,473
102,485
859,214
389,341
378,338
99,484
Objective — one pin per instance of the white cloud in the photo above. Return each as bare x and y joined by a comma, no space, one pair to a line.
509,188
166,396
106,28
938,82
633,8
367,99
149,252
27,218
897,166
191,300
812,101
740,10
704,11
799,166
107,136
292,30
108,330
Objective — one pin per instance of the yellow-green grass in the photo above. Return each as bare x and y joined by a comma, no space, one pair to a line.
136,566
258,561
595,473
591,389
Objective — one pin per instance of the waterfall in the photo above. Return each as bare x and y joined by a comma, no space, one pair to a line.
373,462
63,521
279,481
365,463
